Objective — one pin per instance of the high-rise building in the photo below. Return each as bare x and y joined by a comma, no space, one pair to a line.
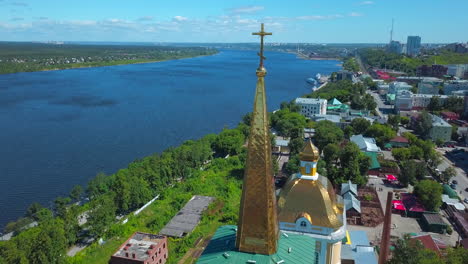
413,45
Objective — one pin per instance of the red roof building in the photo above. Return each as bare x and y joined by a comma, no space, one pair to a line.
413,206
429,243
399,141
450,115
142,248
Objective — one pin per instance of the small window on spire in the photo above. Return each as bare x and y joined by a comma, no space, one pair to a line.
303,224
307,167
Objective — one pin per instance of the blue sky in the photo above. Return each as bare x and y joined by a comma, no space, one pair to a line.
326,21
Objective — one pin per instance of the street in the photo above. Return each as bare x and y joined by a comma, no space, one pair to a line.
461,177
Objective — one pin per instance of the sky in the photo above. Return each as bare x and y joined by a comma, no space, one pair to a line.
325,21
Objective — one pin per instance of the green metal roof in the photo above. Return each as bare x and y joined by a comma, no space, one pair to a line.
334,101
449,191
374,161
222,249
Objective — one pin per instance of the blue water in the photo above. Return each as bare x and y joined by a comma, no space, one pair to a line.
60,128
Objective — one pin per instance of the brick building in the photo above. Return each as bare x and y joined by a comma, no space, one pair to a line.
142,248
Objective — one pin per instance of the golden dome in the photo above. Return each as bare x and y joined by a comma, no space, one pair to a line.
310,152
315,199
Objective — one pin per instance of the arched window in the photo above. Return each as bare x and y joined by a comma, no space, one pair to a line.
303,224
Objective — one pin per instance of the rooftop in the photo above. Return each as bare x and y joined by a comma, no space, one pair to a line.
434,219
292,248
188,217
399,139
412,203
359,250
139,246
349,187
309,100
437,121
375,164
365,143
428,242
351,201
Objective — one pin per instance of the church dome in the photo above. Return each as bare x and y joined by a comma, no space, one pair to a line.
310,152
315,199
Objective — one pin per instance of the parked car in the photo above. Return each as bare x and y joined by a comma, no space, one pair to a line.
453,186
466,200
454,182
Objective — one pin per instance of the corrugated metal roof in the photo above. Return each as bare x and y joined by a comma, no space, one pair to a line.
349,186
222,249
352,202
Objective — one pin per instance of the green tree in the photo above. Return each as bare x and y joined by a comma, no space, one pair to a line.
401,154
293,164
353,164
76,192
296,145
331,153
102,214
434,104
381,133
229,141
360,125
60,205
448,174
404,120
326,132
50,244
98,185
412,252
408,172
33,209
394,121
430,194
423,125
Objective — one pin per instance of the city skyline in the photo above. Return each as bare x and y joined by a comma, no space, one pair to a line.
231,21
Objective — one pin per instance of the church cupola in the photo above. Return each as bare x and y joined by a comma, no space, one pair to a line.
308,161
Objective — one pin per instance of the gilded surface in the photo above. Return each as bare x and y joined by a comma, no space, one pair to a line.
316,198
258,225
310,152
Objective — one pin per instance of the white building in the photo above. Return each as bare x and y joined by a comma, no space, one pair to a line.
404,101
312,106
457,70
395,87
413,45
430,86
365,143
440,129
457,85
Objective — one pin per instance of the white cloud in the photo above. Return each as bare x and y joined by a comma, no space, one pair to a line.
17,19
366,3
245,9
179,18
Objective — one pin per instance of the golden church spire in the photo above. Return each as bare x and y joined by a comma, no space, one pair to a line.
258,225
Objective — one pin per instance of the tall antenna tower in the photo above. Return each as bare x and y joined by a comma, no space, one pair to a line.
391,32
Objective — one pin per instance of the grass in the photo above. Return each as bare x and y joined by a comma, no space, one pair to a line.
221,181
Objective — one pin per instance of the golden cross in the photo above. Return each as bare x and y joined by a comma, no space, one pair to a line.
262,34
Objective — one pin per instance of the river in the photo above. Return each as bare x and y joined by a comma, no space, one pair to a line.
60,128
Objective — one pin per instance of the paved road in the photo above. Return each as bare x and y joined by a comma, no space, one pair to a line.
461,176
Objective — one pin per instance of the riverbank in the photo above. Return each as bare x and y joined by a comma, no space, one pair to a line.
104,64
305,57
